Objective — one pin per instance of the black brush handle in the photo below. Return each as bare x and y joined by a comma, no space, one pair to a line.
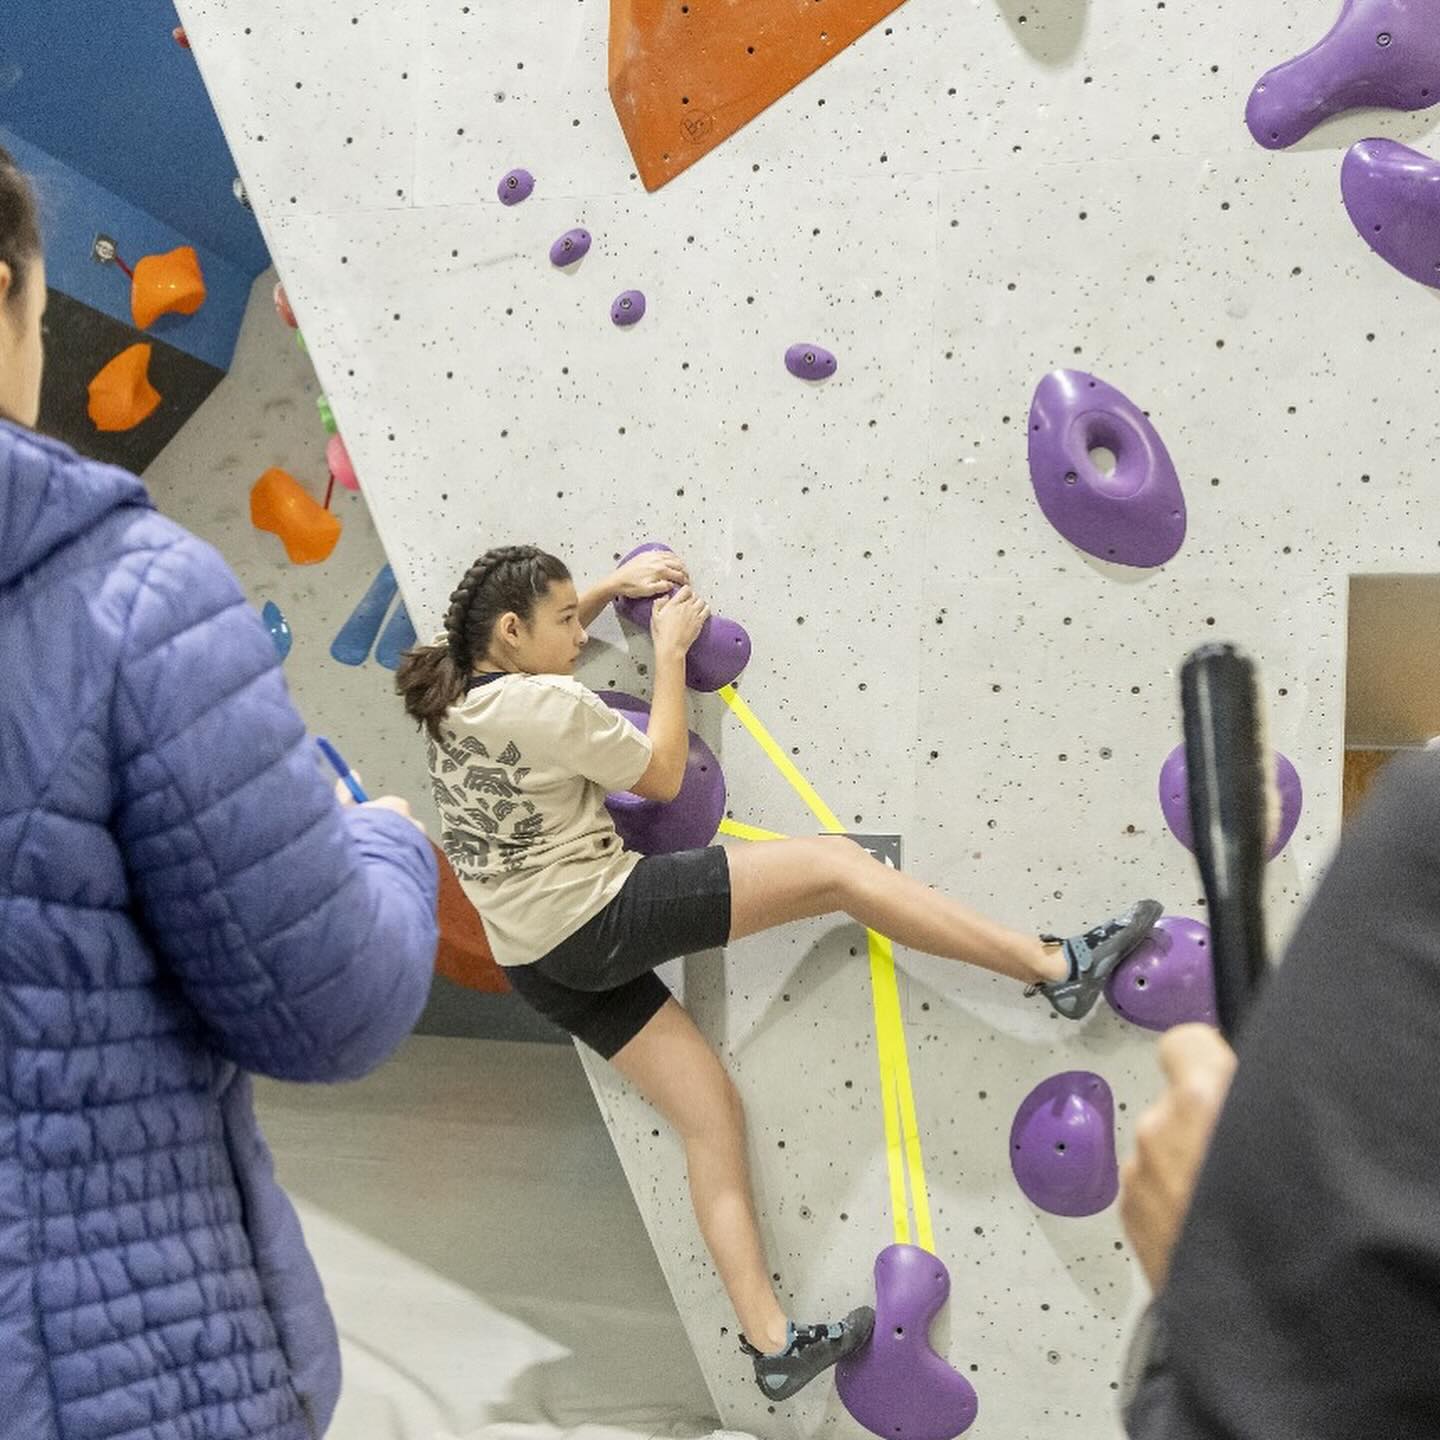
1225,757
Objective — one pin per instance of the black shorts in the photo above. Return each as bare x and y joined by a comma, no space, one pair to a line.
599,984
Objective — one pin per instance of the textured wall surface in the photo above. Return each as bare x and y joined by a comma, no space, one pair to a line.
973,194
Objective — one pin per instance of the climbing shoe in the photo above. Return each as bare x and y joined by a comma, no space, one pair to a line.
1093,956
810,1350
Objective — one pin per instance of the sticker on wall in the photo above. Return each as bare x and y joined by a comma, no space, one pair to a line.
351,646
1392,194
1382,54
897,1386
279,628
121,395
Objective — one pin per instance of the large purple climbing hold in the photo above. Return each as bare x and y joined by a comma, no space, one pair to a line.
628,308
1169,980
721,650
810,362
1175,799
689,821
1393,195
515,186
1062,1145
1379,53
897,1386
1133,515
572,247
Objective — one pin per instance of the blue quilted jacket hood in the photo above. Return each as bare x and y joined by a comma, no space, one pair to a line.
182,904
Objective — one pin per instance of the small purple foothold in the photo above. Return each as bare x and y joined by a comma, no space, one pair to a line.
1062,1145
1379,53
572,246
689,821
628,307
810,362
1133,516
896,1384
721,650
1169,980
1175,799
1393,195
515,186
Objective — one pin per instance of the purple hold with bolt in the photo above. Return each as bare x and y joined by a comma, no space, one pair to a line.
810,362
1175,799
515,186
1379,53
1062,1145
688,822
1132,515
721,650
628,308
1169,980
572,247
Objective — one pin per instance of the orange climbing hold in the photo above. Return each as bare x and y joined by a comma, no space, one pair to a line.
686,77
279,504
464,955
166,284
121,395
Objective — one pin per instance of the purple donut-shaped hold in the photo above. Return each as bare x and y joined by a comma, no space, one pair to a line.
571,247
810,362
689,821
721,650
1175,799
1393,195
1134,515
628,308
1169,980
515,186
1062,1145
1379,53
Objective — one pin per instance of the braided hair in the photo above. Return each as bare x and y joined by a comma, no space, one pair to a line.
431,678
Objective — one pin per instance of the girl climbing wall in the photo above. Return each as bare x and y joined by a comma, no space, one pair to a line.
521,757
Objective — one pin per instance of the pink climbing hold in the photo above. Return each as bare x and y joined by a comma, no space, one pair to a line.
282,306
342,471
1379,53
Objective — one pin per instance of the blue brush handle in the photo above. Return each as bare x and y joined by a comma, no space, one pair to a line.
341,769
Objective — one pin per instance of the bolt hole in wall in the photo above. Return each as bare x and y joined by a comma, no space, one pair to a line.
1392,675
1103,460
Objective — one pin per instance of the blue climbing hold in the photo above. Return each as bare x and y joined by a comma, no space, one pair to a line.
278,627
352,645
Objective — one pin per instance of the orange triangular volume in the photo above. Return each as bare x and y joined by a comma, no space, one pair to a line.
166,285
464,955
281,505
685,75
121,395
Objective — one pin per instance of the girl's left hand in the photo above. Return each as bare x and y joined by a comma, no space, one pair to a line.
656,572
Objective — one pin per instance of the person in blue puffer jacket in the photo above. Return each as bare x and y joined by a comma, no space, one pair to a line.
182,903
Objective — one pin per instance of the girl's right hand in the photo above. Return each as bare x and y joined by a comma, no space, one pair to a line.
676,622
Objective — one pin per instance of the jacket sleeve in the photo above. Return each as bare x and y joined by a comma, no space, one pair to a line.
303,934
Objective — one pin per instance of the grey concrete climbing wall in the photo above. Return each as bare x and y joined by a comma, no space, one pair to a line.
970,196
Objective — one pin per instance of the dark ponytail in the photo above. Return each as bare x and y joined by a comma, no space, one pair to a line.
19,223
431,678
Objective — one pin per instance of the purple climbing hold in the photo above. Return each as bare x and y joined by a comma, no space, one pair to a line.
1379,53
897,1386
515,186
689,821
1169,980
1062,1145
1175,799
628,308
721,650
1393,195
1134,515
571,247
810,362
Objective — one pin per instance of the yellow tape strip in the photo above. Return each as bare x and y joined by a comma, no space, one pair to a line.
742,831
781,761
902,1133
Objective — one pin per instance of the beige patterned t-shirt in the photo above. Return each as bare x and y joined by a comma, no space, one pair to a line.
520,777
